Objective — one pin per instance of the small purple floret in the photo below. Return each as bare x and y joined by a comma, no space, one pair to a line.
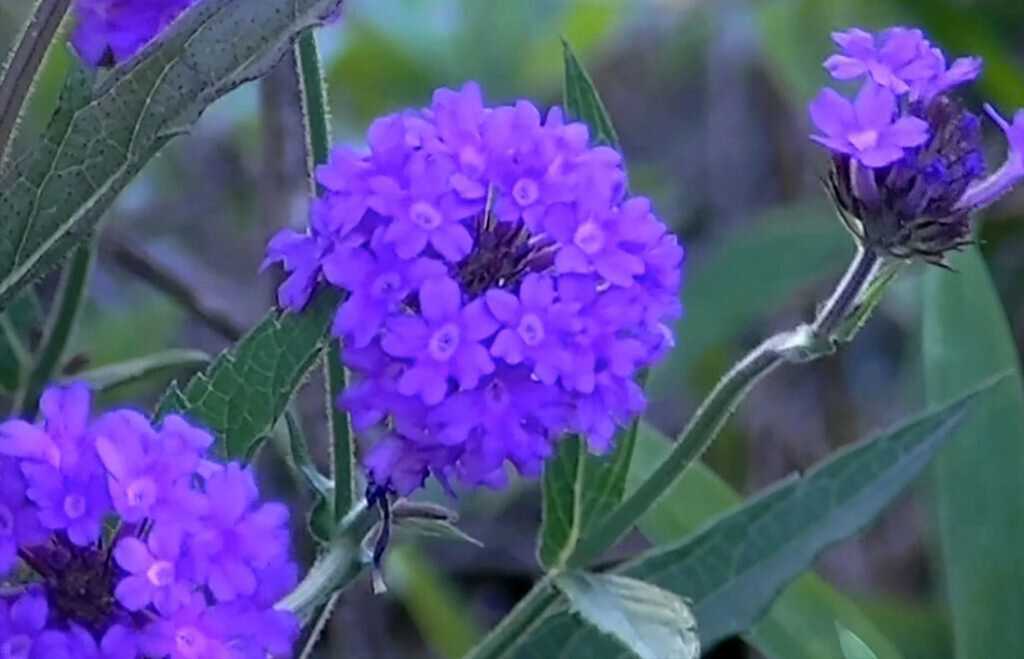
868,129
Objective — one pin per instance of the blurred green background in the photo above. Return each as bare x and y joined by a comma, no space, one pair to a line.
709,99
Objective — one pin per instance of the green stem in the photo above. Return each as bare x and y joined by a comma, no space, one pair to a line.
63,317
335,569
316,118
314,102
836,309
22,66
519,622
805,343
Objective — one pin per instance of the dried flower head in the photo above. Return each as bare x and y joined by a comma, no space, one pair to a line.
908,170
192,571
504,289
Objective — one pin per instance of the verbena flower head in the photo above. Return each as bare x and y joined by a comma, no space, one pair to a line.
503,288
124,529
908,170
111,31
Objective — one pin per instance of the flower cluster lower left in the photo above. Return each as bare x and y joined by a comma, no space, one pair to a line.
123,540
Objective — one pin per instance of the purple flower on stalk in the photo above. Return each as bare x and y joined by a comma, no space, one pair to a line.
869,129
529,236
896,59
907,175
155,571
445,342
110,31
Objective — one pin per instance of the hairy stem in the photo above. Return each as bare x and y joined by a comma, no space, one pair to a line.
22,66
804,343
316,117
335,569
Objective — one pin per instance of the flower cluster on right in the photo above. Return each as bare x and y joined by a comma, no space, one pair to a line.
908,169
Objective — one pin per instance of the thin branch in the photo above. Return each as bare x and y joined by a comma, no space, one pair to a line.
138,263
23,64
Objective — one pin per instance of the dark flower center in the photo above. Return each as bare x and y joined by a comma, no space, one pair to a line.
83,588
503,253
909,208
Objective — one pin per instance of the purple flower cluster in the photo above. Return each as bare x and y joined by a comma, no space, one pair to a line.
907,163
503,288
111,31
139,545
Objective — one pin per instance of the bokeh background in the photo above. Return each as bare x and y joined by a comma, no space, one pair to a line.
709,99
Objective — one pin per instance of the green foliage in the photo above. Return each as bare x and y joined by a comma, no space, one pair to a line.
100,138
800,623
977,480
734,567
853,647
650,622
246,389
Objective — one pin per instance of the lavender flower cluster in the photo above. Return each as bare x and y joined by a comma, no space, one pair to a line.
111,31
122,540
908,168
503,288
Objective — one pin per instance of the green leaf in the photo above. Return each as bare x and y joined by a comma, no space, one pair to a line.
650,622
736,566
978,480
50,199
739,283
583,103
580,488
853,647
245,390
800,624
105,378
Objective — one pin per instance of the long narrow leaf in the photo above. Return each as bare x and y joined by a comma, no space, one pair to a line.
978,480
736,566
